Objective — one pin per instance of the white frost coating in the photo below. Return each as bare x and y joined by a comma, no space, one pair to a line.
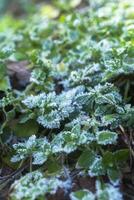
104,192
51,120
30,142
39,149
96,168
52,108
35,101
34,185
109,192
106,137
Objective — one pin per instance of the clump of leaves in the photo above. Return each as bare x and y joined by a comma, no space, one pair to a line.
34,185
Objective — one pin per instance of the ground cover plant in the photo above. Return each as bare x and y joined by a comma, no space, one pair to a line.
66,101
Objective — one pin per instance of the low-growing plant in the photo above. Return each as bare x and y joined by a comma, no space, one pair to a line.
76,113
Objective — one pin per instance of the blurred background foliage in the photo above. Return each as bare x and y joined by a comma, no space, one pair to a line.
21,7
10,10
13,12
18,7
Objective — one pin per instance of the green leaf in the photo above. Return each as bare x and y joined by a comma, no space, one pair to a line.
86,159
27,129
2,70
114,175
53,167
97,168
26,117
108,159
7,160
106,137
5,84
121,155
82,195
10,115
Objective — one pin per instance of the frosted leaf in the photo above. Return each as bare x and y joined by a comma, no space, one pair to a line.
112,98
51,108
97,169
112,120
69,147
34,185
107,191
106,137
82,98
31,141
35,101
17,158
69,141
65,111
39,158
51,120
57,144
39,149
86,137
